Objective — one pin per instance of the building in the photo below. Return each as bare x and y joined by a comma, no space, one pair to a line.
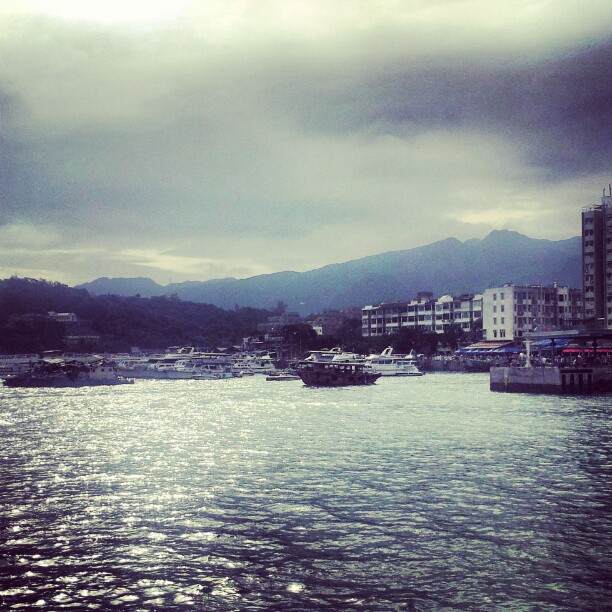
511,311
424,314
329,322
597,262
462,311
388,319
274,325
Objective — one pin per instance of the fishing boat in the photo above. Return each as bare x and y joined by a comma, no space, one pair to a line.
336,373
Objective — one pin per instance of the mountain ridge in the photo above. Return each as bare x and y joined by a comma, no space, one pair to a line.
447,266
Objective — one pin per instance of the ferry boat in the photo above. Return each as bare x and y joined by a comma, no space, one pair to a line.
389,364
16,364
336,374
62,373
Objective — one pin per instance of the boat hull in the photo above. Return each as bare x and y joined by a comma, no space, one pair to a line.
320,374
63,381
177,374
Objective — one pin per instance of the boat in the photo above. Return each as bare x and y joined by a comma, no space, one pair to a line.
477,365
16,364
333,355
389,364
283,375
255,364
181,363
336,374
72,373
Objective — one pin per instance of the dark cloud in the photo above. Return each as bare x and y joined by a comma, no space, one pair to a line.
558,109
168,149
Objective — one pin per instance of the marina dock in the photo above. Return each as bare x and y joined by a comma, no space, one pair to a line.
590,370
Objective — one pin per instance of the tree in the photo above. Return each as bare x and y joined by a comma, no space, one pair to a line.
300,334
452,336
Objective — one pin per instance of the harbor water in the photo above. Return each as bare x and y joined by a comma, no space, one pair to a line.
411,494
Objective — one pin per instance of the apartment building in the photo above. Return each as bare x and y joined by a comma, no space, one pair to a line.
463,311
510,311
424,313
597,262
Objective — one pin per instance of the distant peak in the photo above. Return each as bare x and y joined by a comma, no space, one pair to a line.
504,235
500,237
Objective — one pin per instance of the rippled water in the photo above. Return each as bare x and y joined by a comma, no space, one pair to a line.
244,494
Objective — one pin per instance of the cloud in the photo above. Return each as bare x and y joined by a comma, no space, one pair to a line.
241,137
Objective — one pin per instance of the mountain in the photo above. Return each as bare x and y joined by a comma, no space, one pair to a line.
445,267
145,287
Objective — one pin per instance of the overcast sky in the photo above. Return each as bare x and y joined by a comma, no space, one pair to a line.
188,140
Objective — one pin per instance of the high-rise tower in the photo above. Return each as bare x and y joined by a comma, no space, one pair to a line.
597,262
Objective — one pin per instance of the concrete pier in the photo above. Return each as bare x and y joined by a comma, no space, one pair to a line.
556,380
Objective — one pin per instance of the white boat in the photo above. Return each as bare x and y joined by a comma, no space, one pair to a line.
182,363
16,364
280,375
388,364
335,355
254,364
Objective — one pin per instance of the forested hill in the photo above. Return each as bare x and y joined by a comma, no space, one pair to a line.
120,322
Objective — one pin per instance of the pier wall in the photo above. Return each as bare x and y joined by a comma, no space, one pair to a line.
554,380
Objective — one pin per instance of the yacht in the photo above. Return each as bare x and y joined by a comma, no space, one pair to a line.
254,364
335,355
388,364
181,363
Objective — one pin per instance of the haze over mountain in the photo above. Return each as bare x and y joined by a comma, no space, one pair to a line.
445,267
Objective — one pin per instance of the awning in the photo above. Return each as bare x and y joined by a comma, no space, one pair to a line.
559,342
574,350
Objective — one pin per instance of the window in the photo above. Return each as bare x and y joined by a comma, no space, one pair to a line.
501,296
502,308
495,296
502,333
494,320
494,308
503,320
495,333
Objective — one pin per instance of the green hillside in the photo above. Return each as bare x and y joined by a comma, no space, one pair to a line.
119,322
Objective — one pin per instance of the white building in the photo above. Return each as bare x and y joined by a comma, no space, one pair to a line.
463,311
425,314
513,310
